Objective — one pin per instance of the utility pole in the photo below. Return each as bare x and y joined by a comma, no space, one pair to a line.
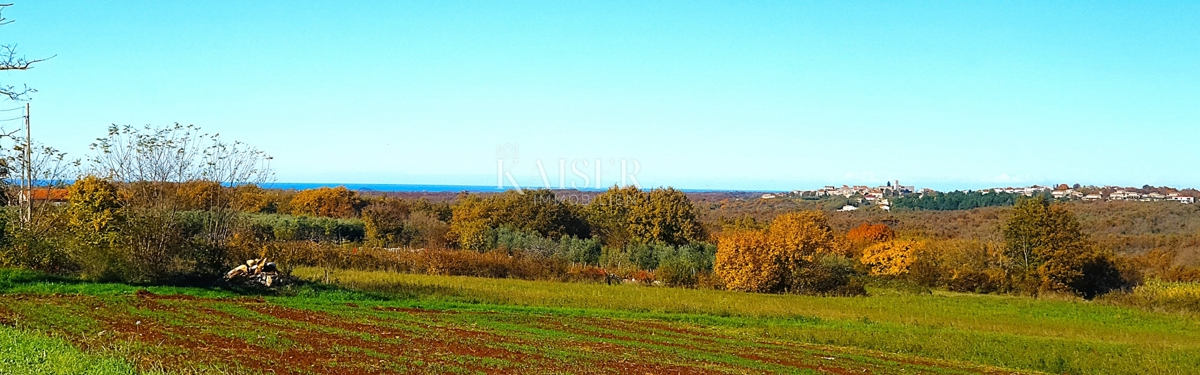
28,168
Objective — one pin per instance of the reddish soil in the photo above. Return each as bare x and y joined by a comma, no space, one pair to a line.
254,335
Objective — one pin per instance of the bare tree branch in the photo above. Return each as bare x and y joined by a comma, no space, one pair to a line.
11,60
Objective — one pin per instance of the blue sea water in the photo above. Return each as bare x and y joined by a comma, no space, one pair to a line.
391,188
385,187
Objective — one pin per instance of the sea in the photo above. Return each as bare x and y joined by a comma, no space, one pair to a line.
417,188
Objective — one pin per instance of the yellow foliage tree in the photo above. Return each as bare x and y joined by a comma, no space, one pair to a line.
200,195
253,199
745,262
780,258
94,206
327,202
469,223
799,237
891,258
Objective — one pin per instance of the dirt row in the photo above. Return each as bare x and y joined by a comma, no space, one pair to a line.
252,335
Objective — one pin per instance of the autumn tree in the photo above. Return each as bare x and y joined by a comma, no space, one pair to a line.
170,240
93,206
798,253
892,258
630,215
746,262
401,222
867,234
95,218
609,214
470,222
530,211
202,195
251,198
336,202
1047,251
802,236
535,211
665,216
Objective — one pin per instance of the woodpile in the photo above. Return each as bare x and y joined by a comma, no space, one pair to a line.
255,272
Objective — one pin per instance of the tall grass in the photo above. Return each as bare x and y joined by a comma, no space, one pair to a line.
1162,295
24,352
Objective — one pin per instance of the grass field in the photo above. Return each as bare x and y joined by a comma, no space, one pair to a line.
385,323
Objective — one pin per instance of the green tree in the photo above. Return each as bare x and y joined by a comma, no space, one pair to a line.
537,211
609,214
1037,231
1046,250
665,216
385,223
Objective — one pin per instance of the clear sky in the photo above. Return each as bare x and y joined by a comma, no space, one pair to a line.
724,95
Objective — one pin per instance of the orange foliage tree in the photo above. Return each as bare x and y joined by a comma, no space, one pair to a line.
791,255
866,234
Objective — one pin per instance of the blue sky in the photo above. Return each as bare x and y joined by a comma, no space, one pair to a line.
721,95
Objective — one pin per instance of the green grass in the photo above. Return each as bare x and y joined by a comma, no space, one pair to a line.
1071,336
379,321
320,329
29,352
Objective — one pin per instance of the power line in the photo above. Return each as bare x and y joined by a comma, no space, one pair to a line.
11,109
14,118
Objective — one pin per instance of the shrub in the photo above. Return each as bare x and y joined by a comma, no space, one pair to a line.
891,258
797,254
867,234
745,262
581,251
829,274
307,228
336,202
1159,294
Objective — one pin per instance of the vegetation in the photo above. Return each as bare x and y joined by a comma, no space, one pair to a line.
137,216
798,253
472,321
956,200
1046,250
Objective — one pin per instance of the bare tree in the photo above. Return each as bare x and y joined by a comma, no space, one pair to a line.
161,170
177,154
10,59
50,171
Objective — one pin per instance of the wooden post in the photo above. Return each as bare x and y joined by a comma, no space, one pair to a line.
28,168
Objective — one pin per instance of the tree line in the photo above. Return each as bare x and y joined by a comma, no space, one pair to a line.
955,200
175,205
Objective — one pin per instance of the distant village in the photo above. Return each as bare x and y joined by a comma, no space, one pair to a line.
880,196
877,196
